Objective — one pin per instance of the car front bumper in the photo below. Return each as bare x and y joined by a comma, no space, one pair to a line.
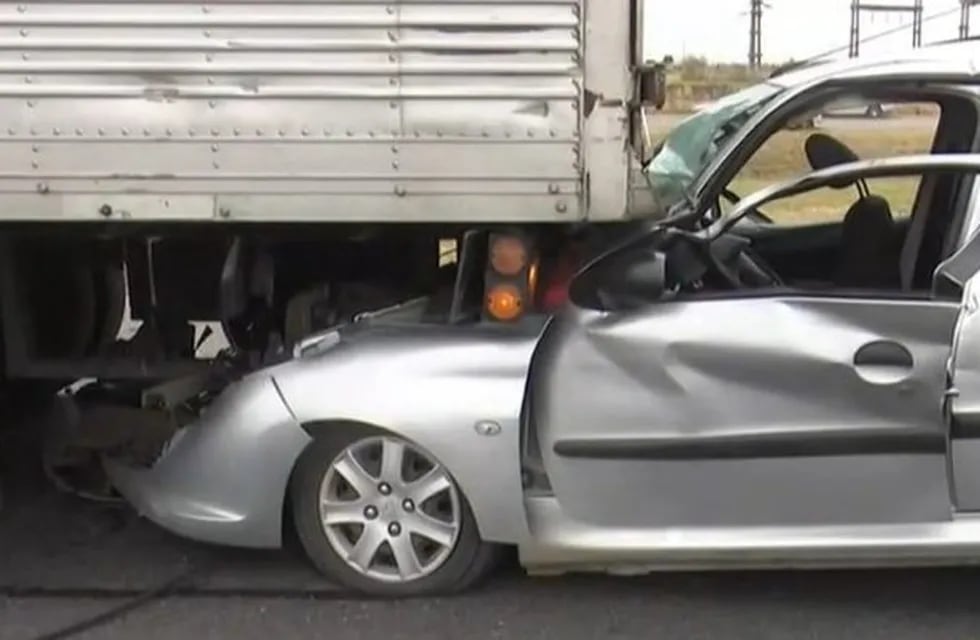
224,478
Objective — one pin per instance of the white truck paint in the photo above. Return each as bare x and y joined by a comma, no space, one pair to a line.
318,111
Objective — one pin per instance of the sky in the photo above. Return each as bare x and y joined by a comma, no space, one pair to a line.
719,29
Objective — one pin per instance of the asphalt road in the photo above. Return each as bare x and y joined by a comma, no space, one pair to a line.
868,606
64,561
907,604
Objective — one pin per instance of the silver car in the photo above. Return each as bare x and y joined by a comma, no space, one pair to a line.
720,391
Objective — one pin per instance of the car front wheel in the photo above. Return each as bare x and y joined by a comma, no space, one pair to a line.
379,515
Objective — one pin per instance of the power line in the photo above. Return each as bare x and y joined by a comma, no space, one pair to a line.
858,8
883,34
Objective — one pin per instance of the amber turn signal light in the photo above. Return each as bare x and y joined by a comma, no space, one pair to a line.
504,303
510,276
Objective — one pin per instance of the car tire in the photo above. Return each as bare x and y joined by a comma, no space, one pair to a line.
469,559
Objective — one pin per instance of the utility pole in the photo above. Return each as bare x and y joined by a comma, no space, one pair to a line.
914,7
965,7
755,34
917,24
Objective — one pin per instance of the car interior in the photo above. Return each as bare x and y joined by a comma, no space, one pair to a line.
869,250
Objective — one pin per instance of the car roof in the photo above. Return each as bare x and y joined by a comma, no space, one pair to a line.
955,55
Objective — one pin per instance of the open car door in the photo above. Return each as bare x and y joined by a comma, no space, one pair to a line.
767,407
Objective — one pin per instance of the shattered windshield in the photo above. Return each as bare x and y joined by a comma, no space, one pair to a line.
692,144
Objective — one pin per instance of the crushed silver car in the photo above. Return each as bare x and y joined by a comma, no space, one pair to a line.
721,390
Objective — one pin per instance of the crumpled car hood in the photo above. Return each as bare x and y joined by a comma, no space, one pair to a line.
343,373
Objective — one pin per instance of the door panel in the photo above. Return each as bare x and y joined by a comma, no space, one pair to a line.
747,412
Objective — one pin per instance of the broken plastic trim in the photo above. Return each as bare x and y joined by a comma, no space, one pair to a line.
317,343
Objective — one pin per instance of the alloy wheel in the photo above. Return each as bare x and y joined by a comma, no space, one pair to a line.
389,510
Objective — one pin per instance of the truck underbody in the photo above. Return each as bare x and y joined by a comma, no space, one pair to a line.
246,282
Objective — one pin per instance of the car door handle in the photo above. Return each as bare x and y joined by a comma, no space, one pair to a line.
883,362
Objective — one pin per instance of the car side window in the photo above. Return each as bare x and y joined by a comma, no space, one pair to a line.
867,130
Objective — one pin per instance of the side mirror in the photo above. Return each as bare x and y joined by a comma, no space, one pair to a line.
650,90
652,85
636,278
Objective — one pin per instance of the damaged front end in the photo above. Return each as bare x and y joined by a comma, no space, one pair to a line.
166,449
179,451
186,487
130,422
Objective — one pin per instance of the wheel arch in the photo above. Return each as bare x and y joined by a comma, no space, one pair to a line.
483,509
316,429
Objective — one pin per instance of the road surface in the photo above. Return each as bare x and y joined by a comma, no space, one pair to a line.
899,606
64,562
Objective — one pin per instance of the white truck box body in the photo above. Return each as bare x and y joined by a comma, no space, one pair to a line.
317,111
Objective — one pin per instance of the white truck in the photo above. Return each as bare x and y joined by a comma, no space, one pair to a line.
274,167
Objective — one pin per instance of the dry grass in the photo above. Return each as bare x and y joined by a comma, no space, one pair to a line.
783,158
828,205
782,155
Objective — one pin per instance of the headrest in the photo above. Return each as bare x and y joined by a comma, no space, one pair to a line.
823,152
